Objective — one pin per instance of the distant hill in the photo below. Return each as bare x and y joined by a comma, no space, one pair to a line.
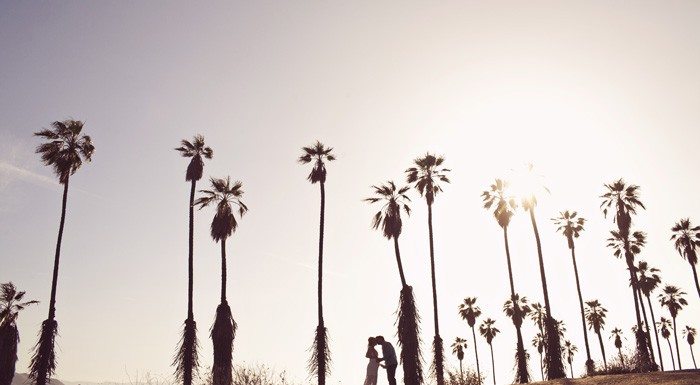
685,377
23,379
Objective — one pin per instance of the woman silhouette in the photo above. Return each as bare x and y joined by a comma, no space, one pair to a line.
373,364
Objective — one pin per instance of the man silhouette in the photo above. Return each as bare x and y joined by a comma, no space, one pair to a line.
389,358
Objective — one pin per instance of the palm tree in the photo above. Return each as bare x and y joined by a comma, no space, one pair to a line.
569,350
504,207
426,175
517,309
595,316
672,299
649,280
689,334
553,362
665,327
571,226
11,303
617,334
537,315
458,349
624,200
187,358
687,240
320,359
224,195
65,150
488,330
470,312
538,343
388,218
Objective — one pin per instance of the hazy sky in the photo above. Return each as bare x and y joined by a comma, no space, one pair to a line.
588,92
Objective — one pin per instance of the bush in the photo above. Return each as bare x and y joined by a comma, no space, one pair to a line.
470,378
252,375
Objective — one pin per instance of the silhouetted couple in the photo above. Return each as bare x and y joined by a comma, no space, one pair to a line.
388,356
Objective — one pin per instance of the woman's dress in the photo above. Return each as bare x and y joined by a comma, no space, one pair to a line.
372,367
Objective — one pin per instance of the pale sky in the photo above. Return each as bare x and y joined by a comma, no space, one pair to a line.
587,91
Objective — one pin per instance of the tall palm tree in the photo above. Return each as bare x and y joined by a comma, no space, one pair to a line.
187,358
517,309
649,280
672,299
687,241
538,343
470,312
571,226
320,359
595,316
569,351
224,195
11,304
624,200
427,175
665,327
689,335
393,200
617,334
65,150
458,350
489,331
504,205
553,362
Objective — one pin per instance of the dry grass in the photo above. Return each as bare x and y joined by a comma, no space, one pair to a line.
686,377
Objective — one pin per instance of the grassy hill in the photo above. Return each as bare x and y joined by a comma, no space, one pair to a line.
686,377
23,379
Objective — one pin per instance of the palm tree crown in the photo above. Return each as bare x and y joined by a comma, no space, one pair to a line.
649,278
488,330
595,315
689,334
504,205
196,149
319,154
11,303
624,198
224,194
389,216
672,299
469,311
427,176
569,225
538,314
617,243
569,349
617,335
517,308
686,239
458,347
664,325
66,148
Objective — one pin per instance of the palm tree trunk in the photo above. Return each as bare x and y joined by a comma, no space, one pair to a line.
670,349
398,261
57,257
643,360
541,367
493,366
555,367
572,369
656,333
190,258
186,359
678,351
589,361
461,372
602,349
223,270
321,348
476,352
646,326
695,276
437,342
693,356
522,376
622,359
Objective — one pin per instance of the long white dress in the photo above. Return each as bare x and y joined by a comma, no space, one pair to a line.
372,366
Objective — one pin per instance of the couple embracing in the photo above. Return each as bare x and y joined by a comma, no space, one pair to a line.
388,356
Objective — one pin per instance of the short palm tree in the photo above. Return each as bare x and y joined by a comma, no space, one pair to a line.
553,362
595,317
686,238
393,201
569,351
427,174
489,331
672,299
617,335
649,280
570,225
319,155
517,309
538,343
11,304
224,195
624,200
689,335
65,150
503,204
470,312
665,327
187,358
458,350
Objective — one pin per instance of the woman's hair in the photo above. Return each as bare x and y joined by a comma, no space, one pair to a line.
371,341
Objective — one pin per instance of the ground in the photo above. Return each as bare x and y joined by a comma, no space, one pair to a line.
686,377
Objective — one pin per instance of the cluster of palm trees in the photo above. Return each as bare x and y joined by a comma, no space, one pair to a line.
66,148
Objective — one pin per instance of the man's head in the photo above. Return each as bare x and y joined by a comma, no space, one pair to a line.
379,339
